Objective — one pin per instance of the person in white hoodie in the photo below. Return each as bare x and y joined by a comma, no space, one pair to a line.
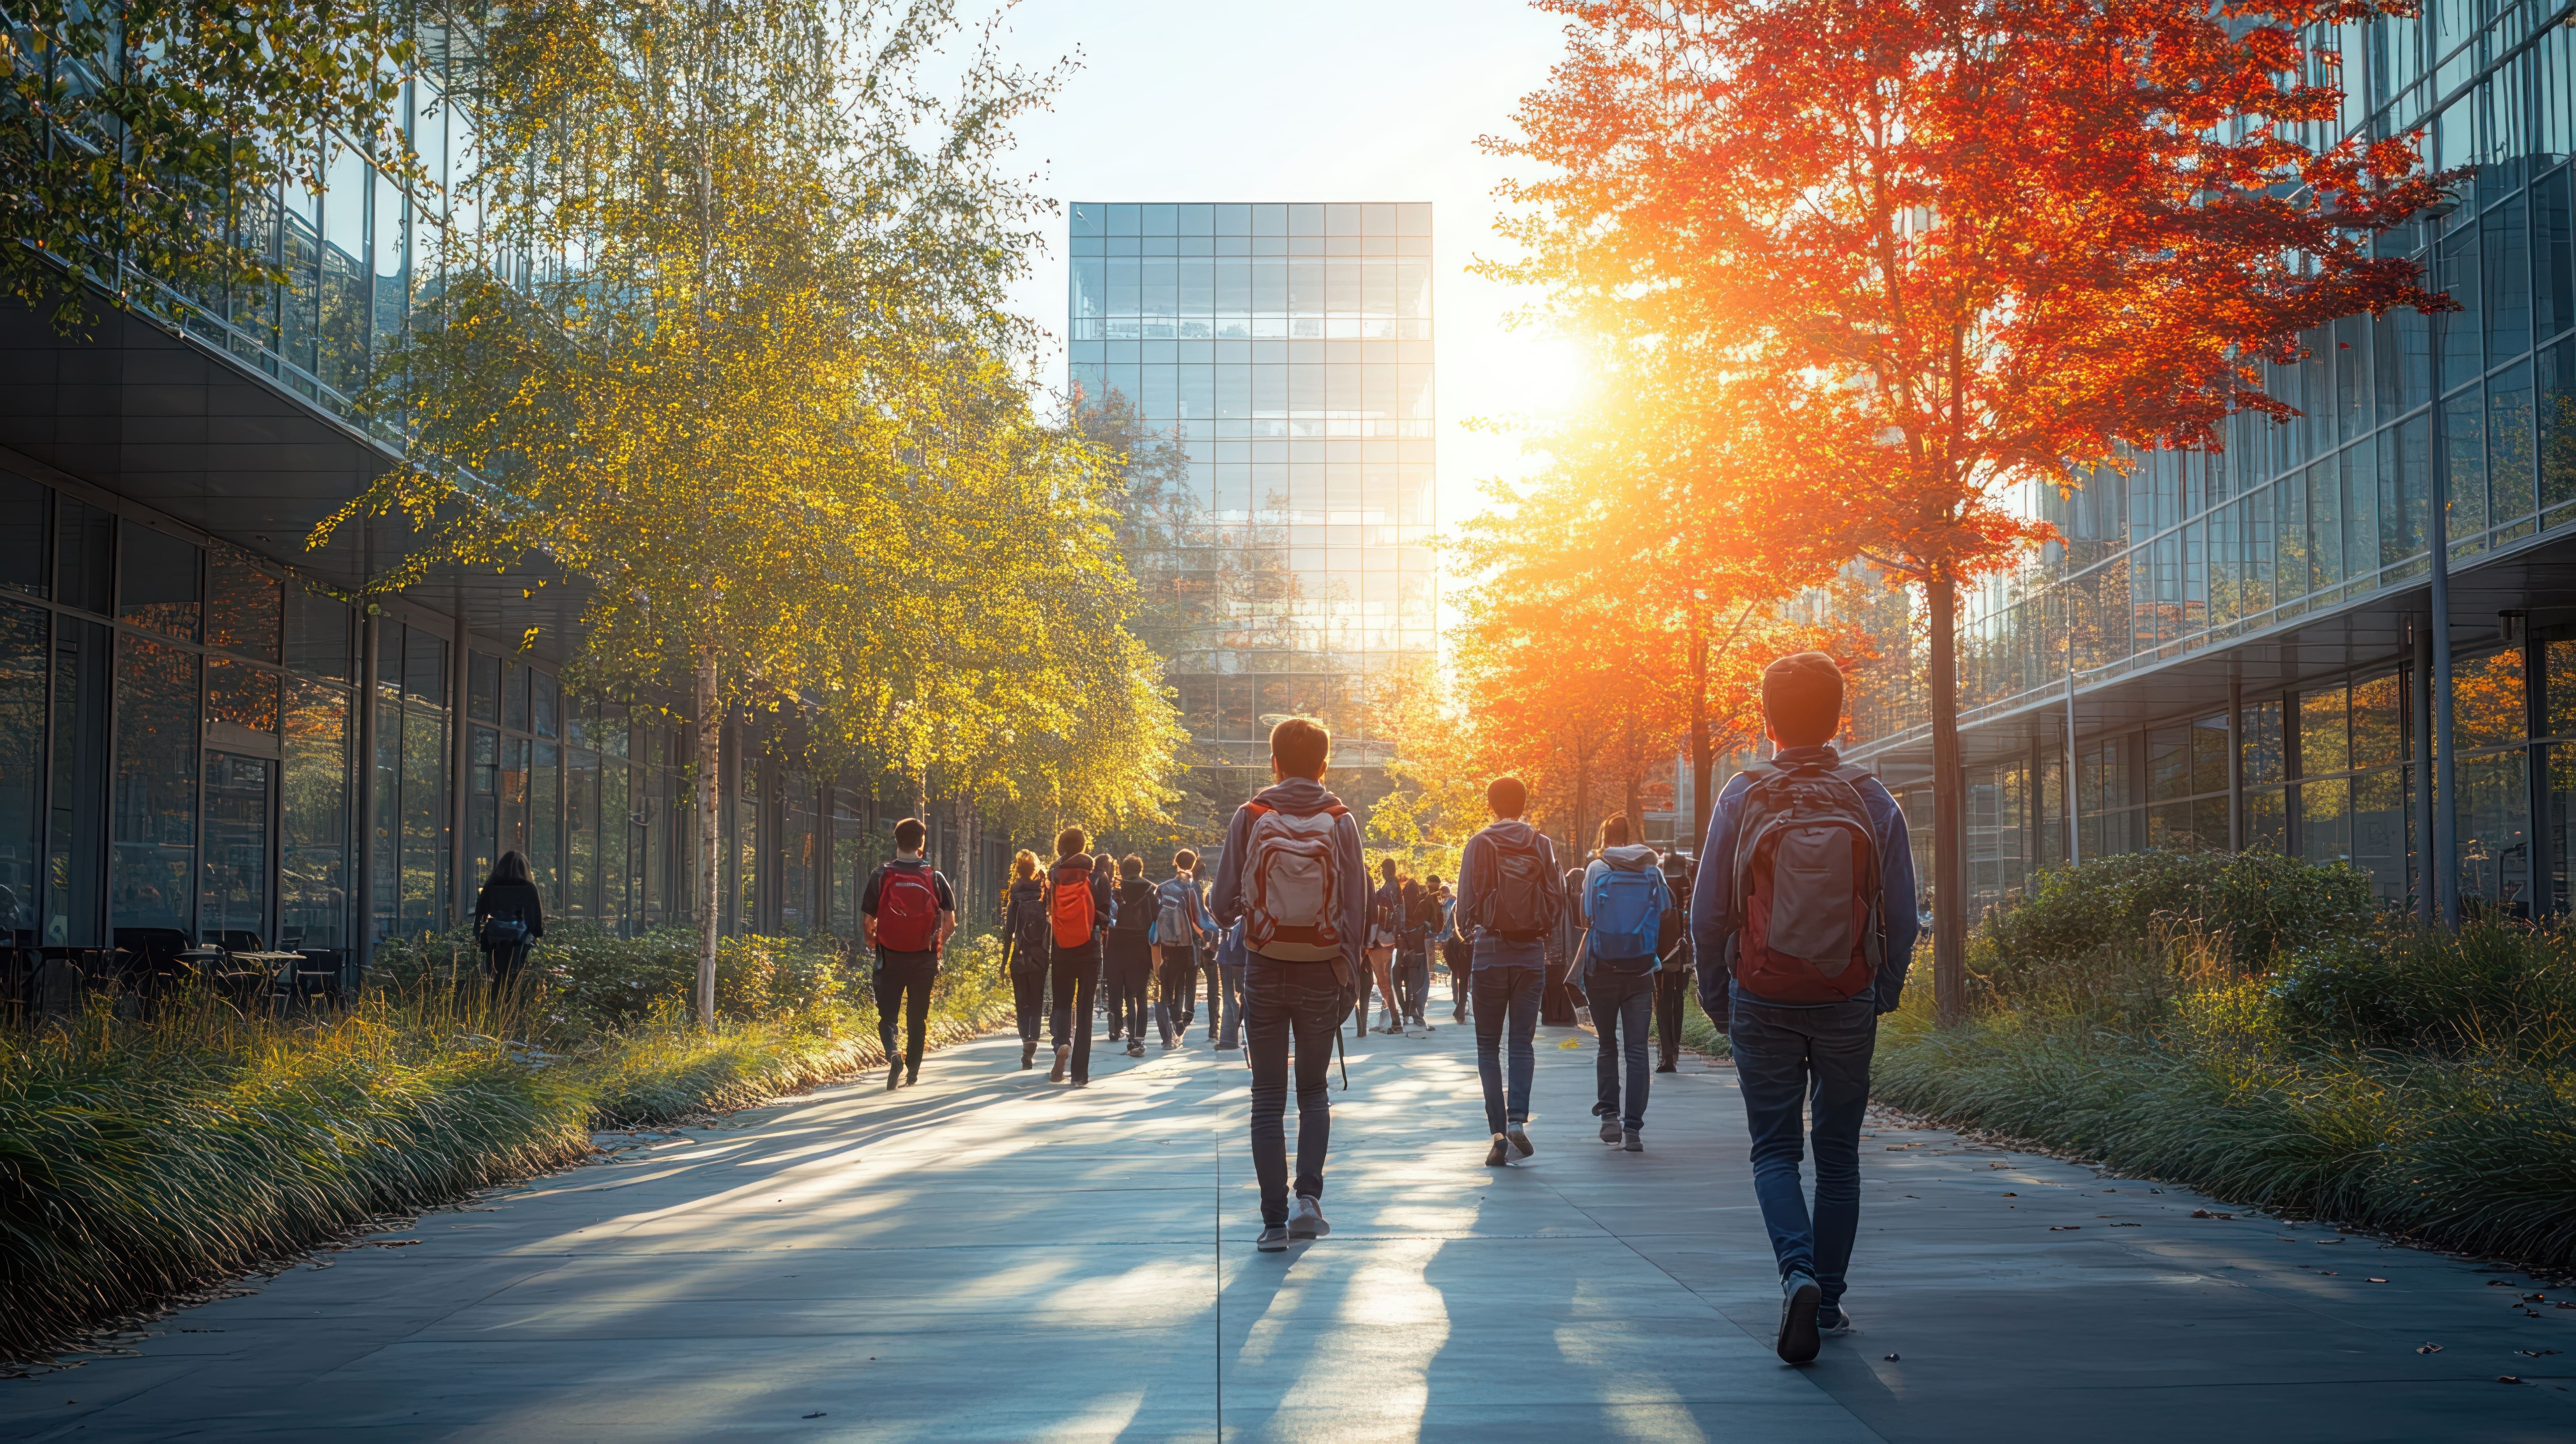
1624,900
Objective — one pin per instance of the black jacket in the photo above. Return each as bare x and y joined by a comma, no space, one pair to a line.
510,899
1024,922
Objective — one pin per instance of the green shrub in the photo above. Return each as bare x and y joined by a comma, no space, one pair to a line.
2495,988
2259,902
590,979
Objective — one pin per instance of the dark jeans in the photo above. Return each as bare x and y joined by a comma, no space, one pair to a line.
1458,957
1176,974
1620,1005
1671,986
1282,1001
1077,979
1413,981
1233,981
903,990
1787,1060
1556,1007
1225,998
503,965
1028,998
1506,995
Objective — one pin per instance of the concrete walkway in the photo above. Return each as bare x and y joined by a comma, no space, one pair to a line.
987,1257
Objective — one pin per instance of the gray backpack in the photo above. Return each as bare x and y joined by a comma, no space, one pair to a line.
1806,885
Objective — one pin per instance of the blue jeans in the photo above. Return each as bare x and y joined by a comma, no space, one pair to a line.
1622,1004
1786,1058
1225,995
1506,993
1289,1004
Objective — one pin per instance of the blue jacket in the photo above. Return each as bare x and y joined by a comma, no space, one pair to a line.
1492,951
1713,922
1298,796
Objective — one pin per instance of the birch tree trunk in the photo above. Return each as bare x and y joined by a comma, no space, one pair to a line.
1949,816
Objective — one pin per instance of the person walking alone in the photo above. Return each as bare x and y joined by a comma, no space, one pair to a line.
1510,896
1803,918
1624,903
1024,935
909,913
509,916
1080,909
1130,963
1292,875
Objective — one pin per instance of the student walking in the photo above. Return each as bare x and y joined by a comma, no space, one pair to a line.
1413,954
1510,896
1181,929
1454,952
1080,909
1292,876
1130,964
1672,978
1230,958
1624,905
1385,906
1804,912
909,913
509,916
1024,942
1557,1003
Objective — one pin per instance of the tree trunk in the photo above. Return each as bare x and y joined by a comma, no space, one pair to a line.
1703,759
1949,831
1582,804
710,780
962,881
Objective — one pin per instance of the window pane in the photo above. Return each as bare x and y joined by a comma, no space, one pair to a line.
151,882
232,899
2168,763
2494,834
84,539
313,902
2486,701
24,654
2266,820
2324,746
2325,822
317,635
244,606
2378,723
23,506
2209,754
2264,760
482,687
156,583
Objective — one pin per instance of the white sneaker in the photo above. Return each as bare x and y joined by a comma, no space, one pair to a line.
1306,1218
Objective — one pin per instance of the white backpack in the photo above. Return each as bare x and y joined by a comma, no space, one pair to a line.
1293,905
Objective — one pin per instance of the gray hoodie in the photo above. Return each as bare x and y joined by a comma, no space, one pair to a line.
1298,797
1474,865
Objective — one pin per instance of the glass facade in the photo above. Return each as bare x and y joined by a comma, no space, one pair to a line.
1286,351
2318,528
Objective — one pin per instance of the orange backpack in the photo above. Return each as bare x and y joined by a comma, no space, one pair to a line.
1070,905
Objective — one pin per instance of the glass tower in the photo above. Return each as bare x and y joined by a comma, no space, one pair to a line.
1273,362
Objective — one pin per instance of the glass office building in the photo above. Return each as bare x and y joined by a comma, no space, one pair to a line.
1286,349
2238,641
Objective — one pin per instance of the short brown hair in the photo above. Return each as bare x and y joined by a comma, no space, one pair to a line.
1184,860
1025,864
1131,866
1802,699
1072,840
1614,830
1507,796
909,834
1301,746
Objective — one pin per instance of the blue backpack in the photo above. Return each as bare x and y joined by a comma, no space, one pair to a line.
1625,908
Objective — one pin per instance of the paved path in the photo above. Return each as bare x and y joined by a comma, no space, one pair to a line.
986,1257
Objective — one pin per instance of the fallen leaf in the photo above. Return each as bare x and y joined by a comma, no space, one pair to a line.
2535,1353
2498,1284
2065,1228
2329,1273
2535,1298
817,1414
2508,1378
1891,1358
2430,1349
2329,1240
2379,1281
2128,1225
2012,1195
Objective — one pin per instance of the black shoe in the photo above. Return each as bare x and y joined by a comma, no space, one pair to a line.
1274,1239
1610,1131
1499,1154
1135,1048
1629,1142
1666,1068
1028,1056
1800,1299
894,1075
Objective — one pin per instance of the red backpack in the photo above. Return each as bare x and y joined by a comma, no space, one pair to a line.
1070,905
907,910
1806,885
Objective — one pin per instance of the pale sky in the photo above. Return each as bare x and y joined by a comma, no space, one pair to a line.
1329,100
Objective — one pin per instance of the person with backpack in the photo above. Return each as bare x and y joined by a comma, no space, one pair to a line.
1384,906
1080,909
1180,925
1024,951
909,913
1105,866
1454,952
1292,875
1672,946
509,916
1510,896
1803,918
1625,903
1130,966
1413,955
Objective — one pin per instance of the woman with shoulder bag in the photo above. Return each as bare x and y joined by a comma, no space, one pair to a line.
508,917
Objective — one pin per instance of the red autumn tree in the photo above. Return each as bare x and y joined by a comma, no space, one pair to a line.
1937,250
